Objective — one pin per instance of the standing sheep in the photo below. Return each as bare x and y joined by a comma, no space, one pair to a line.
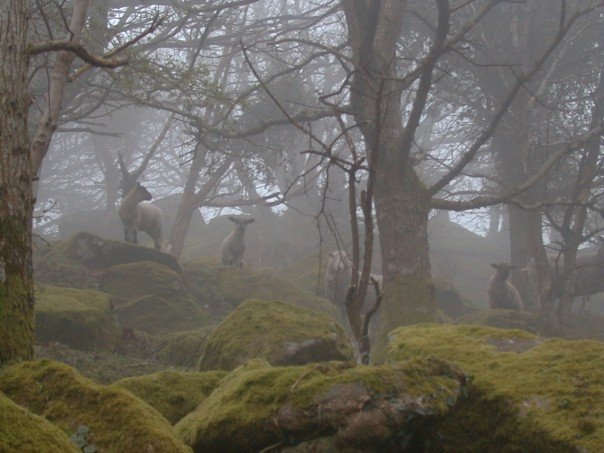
137,216
232,249
502,293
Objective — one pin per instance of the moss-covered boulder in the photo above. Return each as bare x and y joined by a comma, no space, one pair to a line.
173,393
81,319
116,419
502,319
22,431
370,408
277,332
450,301
79,261
183,348
151,297
528,394
224,288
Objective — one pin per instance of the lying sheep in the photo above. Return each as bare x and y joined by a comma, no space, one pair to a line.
337,279
502,293
137,216
232,249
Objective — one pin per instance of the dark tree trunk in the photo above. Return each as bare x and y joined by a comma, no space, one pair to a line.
16,200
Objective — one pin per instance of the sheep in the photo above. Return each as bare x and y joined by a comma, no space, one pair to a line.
137,216
232,248
337,279
502,293
590,273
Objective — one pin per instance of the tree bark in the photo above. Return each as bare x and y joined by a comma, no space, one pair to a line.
16,201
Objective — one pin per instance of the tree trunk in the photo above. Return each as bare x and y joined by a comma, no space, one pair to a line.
16,201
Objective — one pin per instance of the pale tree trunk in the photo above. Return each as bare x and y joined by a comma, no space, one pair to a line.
58,80
16,202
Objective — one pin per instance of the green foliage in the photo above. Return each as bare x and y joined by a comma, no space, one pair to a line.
280,333
224,288
81,319
174,394
503,319
528,394
119,420
259,405
151,297
23,431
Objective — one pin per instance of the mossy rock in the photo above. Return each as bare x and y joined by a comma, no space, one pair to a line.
184,348
81,319
172,393
151,297
370,408
224,288
22,431
277,332
450,301
503,319
79,261
117,420
528,394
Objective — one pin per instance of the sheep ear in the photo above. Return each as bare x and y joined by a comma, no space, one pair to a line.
252,220
232,219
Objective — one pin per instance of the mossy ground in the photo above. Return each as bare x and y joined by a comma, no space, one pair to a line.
151,297
258,329
248,410
541,395
224,288
118,421
22,431
82,319
173,393
102,367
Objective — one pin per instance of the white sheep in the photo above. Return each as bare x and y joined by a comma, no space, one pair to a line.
137,216
232,249
502,293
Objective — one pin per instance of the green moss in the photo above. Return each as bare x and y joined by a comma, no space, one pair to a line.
151,297
277,332
224,288
542,395
22,431
173,393
78,318
450,301
118,421
258,405
408,300
503,319
16,320
184,348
